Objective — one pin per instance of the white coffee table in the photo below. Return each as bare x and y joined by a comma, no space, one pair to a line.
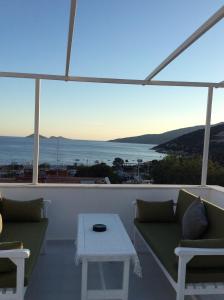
111,245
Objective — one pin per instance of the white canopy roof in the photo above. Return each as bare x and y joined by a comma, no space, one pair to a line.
212,21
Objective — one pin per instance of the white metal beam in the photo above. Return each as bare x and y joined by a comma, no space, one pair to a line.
108,80
141,82
188,42
33,76
70,35
207,138
220,84
36,132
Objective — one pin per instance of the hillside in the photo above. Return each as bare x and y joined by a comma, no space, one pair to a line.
157,138
192,143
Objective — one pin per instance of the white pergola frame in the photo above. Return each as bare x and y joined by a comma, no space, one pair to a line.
213,20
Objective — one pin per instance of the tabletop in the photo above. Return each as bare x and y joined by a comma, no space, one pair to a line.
113,242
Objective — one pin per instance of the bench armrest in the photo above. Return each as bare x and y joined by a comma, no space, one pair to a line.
184,251
185,255
15,253
17,256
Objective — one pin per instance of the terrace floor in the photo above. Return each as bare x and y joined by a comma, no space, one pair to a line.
57,277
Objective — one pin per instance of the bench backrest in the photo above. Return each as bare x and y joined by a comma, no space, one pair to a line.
215,214
216,220
185,199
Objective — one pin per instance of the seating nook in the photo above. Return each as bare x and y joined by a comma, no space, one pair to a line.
195,266
23,228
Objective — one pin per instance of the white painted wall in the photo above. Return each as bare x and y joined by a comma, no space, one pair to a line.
69,200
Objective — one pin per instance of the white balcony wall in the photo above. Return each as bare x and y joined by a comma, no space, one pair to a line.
217,195
70,200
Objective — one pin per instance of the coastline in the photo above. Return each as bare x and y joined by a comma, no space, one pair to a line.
65,152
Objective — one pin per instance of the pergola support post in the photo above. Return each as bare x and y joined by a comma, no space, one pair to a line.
36,132
207,138
70,35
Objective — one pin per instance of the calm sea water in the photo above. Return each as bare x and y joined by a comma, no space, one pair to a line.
62,151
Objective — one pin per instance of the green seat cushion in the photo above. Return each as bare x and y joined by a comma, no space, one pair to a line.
32,236
185,199
149,211
205,261
21,211
163,238
6,265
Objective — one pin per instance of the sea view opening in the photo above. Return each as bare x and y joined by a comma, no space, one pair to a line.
173,157
65,160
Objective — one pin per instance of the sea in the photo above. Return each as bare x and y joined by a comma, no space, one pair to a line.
61,151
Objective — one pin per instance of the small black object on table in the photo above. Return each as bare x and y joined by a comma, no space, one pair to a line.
99,227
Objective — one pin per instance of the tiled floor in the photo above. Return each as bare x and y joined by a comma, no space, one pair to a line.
57,277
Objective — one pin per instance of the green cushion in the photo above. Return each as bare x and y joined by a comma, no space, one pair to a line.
214,213
22,211
205,261
155,211
163,238
195,221
215,216
1,224
6,265
32,236
184,200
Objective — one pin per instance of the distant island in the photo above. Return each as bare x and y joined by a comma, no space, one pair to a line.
32,135
44,137
158,138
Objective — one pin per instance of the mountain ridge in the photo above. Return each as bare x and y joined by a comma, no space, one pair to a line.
158,138
192,143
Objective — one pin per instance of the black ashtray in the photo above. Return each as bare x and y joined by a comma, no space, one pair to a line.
99,227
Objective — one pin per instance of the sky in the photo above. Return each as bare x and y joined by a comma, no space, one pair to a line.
112,38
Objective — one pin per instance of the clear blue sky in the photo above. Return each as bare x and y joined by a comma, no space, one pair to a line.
113,38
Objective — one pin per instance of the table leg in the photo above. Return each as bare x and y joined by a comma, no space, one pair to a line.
84,279
126,279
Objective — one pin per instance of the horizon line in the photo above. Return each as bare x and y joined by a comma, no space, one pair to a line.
105,140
